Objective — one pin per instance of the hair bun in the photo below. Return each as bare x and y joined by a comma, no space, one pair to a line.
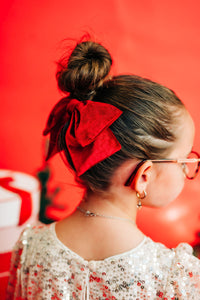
86,68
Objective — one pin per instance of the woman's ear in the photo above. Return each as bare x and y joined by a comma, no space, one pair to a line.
142,177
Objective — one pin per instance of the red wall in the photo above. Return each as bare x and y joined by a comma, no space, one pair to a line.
157,39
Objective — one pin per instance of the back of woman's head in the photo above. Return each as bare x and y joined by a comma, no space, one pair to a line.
147,127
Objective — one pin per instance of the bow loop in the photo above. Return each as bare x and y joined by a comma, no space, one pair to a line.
58,116
89,119
57,119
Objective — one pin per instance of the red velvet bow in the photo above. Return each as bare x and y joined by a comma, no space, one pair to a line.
89,139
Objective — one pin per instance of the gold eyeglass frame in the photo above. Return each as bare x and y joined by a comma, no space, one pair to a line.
168,160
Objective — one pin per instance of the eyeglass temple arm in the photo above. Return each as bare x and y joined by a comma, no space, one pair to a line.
181,161
131,177
186,160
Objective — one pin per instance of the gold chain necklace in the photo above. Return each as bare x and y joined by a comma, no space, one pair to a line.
88,213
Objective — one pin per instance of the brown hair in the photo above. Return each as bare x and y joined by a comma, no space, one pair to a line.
145,130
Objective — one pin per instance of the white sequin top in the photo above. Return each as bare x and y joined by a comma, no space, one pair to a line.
43,268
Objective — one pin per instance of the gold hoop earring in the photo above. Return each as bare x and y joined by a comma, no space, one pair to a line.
140,197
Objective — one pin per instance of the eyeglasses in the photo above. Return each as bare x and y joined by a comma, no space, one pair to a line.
190,165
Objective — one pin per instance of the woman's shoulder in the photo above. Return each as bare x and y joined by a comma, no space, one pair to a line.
184,275
185,264
184,254
32,232
183,270
32,238
181,256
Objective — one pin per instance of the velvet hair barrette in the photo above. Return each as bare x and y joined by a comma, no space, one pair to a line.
88,137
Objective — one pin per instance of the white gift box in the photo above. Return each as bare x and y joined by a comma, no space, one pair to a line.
10,207
10,204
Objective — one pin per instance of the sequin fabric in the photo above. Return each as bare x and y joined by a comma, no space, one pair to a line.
43,268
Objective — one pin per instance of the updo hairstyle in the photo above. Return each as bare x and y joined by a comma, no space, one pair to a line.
147,127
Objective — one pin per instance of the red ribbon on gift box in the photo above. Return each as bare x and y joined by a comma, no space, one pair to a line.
26,201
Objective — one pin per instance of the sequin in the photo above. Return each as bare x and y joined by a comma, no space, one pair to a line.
43,268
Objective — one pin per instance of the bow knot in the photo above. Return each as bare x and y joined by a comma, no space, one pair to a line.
72,105
88,137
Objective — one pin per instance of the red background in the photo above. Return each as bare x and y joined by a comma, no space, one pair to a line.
152,38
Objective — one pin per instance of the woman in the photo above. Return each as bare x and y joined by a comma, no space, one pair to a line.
128,140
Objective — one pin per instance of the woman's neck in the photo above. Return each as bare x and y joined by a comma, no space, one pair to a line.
111,204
